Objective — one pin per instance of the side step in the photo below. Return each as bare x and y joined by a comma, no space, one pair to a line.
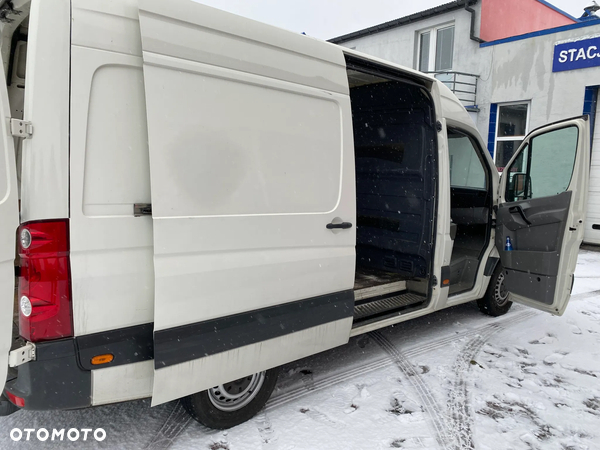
386,305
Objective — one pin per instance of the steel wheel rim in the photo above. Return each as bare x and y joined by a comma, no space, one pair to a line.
500,291
237,394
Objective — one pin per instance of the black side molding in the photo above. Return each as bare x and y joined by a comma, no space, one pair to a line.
127,345
194,341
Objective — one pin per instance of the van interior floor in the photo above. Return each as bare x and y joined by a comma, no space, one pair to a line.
374,283
379,294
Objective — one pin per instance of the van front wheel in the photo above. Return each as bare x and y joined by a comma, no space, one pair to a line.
231,404
495,301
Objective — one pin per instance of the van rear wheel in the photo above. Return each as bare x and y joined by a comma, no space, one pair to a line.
231,404
495,301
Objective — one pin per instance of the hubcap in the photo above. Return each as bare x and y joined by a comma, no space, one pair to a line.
500,291
237,394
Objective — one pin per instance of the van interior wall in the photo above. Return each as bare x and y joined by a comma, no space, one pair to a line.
394,138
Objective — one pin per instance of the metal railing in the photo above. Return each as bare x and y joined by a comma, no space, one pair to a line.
464,85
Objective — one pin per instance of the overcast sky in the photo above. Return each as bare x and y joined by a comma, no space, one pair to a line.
330,18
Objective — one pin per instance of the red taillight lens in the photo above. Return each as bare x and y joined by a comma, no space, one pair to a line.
17,401
44,281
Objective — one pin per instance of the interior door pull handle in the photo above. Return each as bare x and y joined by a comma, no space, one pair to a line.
343,226
519,210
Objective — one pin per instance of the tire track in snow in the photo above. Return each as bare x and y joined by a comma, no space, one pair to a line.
427,398
176,422
328,381
458,402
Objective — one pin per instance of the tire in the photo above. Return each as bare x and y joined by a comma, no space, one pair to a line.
495,301
231,404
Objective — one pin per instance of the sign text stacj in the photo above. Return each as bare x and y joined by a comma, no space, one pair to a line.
578,54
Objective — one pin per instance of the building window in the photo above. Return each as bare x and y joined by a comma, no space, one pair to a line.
436,49
512,127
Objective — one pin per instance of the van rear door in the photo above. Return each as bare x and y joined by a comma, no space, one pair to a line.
9,221
543,195
253,196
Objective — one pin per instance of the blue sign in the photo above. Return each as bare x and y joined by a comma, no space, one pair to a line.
577,55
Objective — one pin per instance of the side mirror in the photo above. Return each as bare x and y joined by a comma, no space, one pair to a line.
518,187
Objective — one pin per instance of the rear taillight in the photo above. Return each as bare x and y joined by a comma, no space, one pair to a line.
17,401
44,281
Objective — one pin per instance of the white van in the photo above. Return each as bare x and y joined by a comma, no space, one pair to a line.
201,198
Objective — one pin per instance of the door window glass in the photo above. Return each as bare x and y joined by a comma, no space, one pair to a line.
466,168
544,168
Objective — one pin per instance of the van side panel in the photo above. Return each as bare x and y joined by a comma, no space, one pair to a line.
111,250
45,175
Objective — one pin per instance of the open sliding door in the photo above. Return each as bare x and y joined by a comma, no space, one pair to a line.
251,158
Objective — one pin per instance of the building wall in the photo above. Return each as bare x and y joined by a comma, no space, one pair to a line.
522,70
400,44
504,18
514,71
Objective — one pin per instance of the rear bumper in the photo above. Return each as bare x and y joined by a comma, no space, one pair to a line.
54,381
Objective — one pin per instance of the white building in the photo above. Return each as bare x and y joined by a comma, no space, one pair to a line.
515,64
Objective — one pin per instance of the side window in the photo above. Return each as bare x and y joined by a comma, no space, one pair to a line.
466,168
544,167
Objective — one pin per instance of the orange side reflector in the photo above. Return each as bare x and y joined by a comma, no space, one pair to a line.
446,283
102,359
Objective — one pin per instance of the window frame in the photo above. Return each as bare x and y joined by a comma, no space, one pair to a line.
480,152
433,44
519,138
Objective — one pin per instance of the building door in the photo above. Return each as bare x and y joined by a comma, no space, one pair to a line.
592,223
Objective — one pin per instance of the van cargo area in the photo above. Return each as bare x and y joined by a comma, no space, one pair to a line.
395,162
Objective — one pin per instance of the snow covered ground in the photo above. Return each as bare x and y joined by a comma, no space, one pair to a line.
453,380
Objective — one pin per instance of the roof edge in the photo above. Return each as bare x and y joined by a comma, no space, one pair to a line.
558,10
574,26
416,17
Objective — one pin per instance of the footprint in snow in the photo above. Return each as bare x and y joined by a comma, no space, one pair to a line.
320,417
553,358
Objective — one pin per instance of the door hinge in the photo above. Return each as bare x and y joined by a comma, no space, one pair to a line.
22,355
142,209
21,128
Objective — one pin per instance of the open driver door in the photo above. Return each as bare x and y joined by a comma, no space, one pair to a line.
542,201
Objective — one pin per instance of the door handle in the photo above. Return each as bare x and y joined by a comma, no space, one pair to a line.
342,226
518,210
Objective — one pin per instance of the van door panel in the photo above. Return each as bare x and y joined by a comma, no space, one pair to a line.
9,221
251,156
542,207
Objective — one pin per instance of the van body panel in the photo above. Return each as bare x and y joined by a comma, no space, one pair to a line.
122,383
544,217
179,380
111,250
191,31
111,25
45,160
238,114
9,214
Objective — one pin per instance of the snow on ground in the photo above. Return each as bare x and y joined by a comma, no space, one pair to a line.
452,380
